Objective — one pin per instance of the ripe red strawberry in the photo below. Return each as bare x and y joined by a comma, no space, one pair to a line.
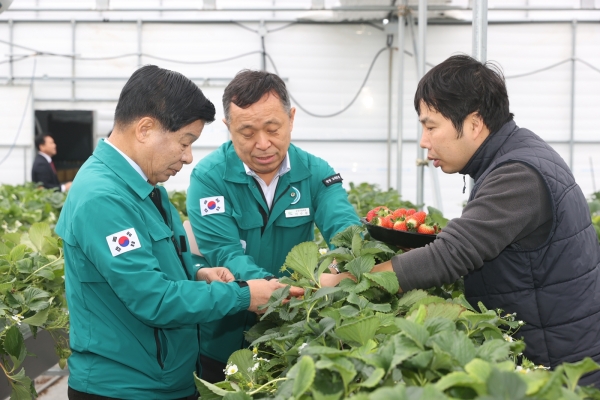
399,213
411,223
426,229
386,222
410,211
371,214
400,226
420,216
380,211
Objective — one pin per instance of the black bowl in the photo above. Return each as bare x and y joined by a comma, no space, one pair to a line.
404,239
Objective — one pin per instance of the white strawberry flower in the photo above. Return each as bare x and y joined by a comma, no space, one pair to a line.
302,346
323,251
508,338
255,367
230,369
18,318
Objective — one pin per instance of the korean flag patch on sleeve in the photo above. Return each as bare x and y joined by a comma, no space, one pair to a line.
123,241
212,205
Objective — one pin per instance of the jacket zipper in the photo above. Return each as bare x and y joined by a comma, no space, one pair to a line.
158,348
263,213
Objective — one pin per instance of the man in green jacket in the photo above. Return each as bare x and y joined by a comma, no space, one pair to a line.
135,300
256,197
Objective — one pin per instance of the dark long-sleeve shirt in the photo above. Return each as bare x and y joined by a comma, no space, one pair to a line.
511,206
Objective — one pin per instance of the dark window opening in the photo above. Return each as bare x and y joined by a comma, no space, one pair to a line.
73,132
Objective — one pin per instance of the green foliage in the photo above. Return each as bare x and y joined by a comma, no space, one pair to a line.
366,196
178,199
363,340
594,204
31,279
23,205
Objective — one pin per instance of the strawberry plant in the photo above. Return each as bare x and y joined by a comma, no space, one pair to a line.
31,279
594,204
178,199
363,340
366,196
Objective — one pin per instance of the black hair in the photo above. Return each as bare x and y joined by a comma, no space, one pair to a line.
462,85
168,96
249,86
40,139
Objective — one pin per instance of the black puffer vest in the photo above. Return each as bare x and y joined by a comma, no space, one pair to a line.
554,288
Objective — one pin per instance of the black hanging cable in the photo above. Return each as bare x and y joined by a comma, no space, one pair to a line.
349,104
29,98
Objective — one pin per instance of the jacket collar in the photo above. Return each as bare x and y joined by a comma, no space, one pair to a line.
46,156
119,165
235,171
485,154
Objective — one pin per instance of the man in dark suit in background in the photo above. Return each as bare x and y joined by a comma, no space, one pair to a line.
43,171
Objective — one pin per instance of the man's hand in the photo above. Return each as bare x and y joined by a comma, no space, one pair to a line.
328,280
261,290
68,186
215,274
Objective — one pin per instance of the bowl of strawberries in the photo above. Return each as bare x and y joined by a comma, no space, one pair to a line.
407,228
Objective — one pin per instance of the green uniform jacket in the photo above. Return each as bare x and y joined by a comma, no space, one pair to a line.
133,314
245,221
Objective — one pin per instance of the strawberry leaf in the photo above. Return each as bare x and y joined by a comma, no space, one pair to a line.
345,237
436,216
385,279
303,259
360,265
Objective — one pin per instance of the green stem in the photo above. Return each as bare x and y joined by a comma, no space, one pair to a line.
310,310
268,383
41,268
269,353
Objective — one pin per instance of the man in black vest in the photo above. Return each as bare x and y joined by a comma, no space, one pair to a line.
524,242
43,171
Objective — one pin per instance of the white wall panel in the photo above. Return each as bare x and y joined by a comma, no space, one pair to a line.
200,42
97,40
541,101
4,49
100,90
16,115
48,38
324,66
52,89
587,89
16,168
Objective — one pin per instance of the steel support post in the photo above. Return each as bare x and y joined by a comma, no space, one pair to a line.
139,42
73,52
11,73
420,74
479,42
402,10
572,116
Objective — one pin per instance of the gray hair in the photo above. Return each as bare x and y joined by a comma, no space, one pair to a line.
249,86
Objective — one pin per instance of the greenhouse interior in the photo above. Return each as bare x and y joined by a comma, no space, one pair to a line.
300,199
